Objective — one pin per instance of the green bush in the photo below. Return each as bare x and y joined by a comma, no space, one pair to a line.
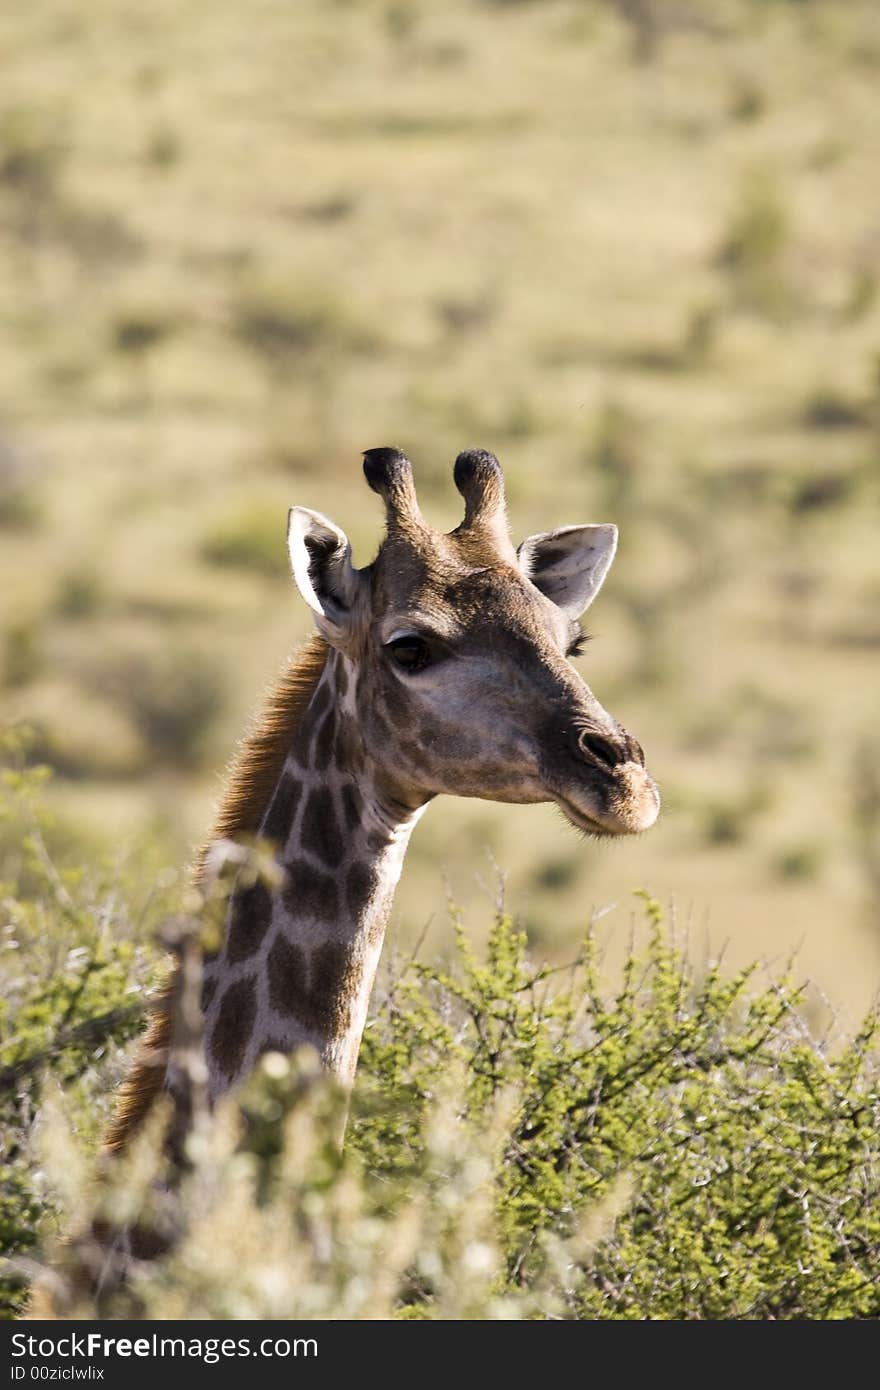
173,697
750,1154
72,992
286,324
32,152
754,247
21,508
79,593
676,1148
138,330
252,540
22,654
523,1141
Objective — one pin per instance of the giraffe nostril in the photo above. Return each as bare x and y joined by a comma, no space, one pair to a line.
600,749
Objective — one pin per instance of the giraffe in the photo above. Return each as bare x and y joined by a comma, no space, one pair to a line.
441,668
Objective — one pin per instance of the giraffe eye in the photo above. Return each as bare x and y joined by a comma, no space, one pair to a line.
410,653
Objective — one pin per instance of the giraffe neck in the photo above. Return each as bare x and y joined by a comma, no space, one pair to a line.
298,962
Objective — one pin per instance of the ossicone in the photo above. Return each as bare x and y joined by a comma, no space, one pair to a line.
389,472
480,481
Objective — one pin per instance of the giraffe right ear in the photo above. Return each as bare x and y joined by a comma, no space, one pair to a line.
569,565
320,557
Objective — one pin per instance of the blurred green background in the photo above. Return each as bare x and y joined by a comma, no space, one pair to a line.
632,247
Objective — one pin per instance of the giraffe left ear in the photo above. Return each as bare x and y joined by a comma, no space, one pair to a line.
320,557
569,565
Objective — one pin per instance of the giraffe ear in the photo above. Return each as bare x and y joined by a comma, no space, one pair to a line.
320,557
569,565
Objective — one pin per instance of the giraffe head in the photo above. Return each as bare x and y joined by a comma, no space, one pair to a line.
456,649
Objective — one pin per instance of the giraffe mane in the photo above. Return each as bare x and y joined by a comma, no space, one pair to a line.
251,778
257,764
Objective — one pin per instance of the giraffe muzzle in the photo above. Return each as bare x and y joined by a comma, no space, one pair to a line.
606,789
633,810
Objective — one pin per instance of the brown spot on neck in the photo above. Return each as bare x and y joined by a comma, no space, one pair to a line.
281,813
309,893
352,805
232,1030
349,745
320,834
360,881
319,990
250,913
325,741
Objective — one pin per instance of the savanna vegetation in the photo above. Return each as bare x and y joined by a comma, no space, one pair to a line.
634,249
524,1141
